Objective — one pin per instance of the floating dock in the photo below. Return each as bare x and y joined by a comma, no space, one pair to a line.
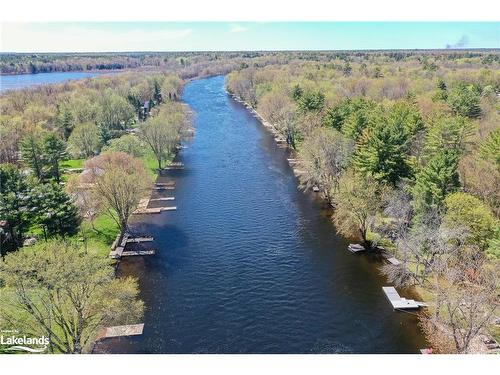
156,210
355,248
121,331
139,239
162,199
132,253
398,302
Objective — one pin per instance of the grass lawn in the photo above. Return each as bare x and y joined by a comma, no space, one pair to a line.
72,163
100,239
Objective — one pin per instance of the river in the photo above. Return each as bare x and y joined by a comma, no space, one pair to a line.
20,81
248,263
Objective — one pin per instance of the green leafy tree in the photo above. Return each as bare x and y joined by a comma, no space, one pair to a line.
437,179
84,140
464,100
470,213
357,201
129,144
65,294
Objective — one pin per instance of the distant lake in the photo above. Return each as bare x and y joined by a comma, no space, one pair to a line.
20,81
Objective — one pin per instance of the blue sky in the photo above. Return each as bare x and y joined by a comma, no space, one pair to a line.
196,36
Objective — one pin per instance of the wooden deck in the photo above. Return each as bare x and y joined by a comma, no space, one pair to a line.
398,302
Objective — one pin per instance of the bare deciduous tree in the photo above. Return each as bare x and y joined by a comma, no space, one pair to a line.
324,156
118,181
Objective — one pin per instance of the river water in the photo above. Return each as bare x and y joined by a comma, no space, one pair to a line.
248,263
20,81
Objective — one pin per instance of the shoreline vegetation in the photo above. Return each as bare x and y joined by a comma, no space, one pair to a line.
384,189
403,145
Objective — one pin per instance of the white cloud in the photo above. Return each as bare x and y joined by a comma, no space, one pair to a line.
22,37
237,29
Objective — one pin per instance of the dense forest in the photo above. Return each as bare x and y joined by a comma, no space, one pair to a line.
405,148
403,145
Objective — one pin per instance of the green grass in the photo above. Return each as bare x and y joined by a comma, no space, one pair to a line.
101,236
151,163
72,163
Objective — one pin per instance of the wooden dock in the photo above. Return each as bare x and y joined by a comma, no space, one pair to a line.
121,331
157,188
139,239
155,210
355,248
132,253
162,199
398,302
118,249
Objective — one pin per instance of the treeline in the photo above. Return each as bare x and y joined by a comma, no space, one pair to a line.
406,151
22,63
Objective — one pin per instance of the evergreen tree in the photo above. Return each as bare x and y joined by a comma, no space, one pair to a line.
464,101
297,92
54,150
490,148
14,198
382,150
32,154
53,210
437,179
450,133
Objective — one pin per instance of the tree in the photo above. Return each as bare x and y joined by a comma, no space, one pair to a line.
118,181
14,199
449,133
84,140
171,88
53,210
311,101
468,212
163,132
32,153
280,111
465,100
337,115
54,151
490,148
434,181
382,150
129,144
64,294
116,112
357,201
466,304
324,156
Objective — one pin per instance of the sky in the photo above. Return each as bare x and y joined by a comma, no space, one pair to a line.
237,36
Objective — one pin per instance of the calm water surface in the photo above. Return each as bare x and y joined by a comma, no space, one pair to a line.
248,263
19,81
